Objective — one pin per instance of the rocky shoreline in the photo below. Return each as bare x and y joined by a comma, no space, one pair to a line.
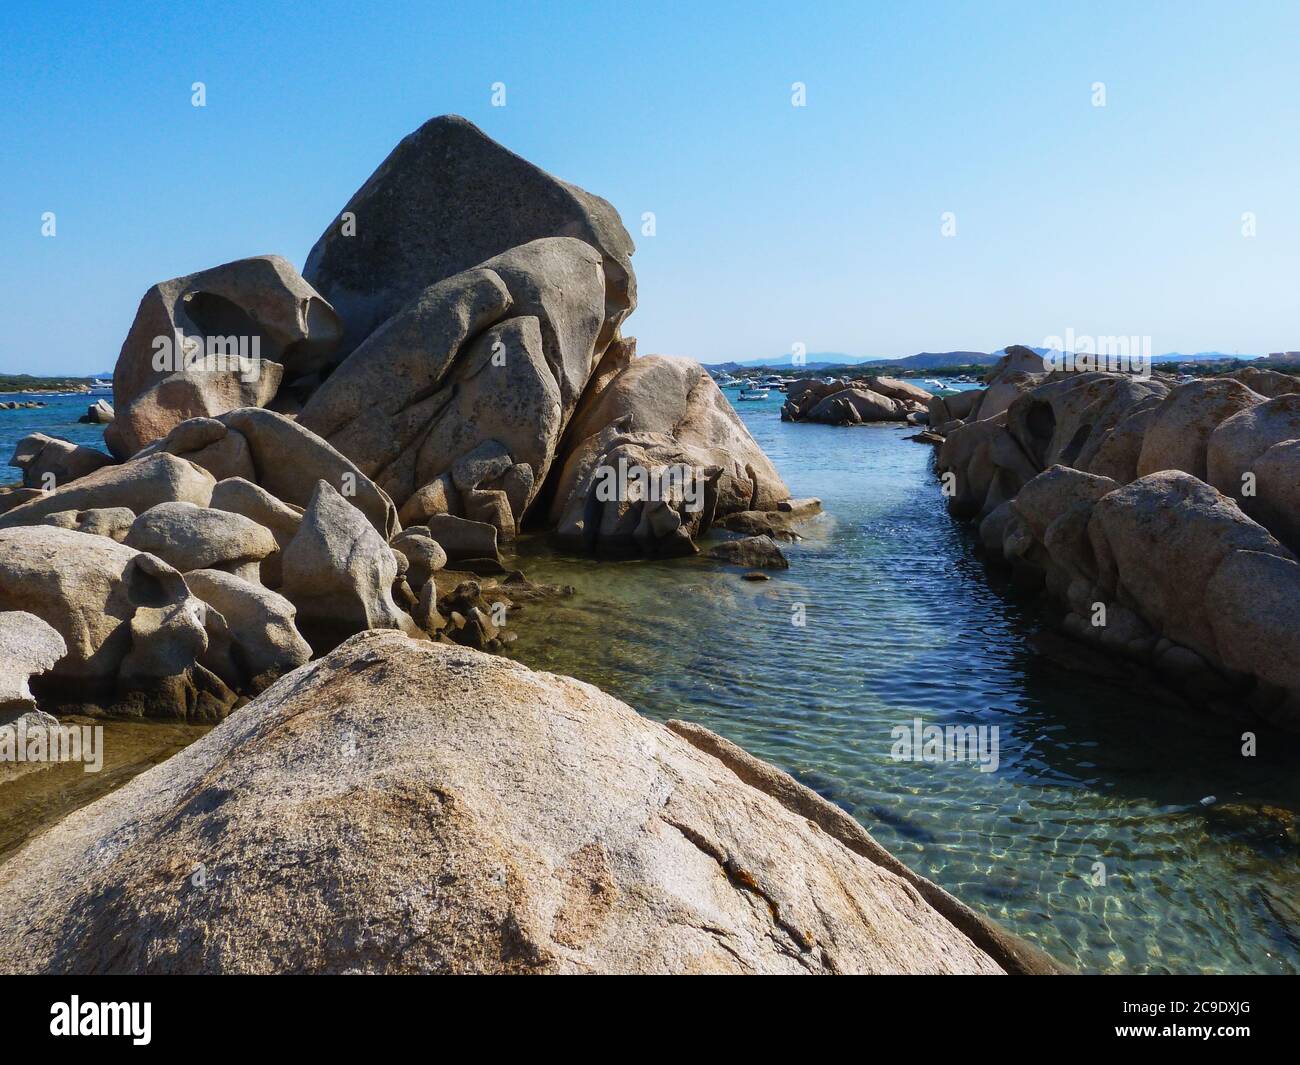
296,459
298,536
856,402
1164,517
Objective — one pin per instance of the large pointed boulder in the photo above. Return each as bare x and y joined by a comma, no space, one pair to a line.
447,198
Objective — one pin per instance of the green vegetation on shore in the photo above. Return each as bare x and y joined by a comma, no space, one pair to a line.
23,382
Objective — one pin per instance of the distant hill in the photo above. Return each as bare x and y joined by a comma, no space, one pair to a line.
822,360
1200,356
925,360
815,360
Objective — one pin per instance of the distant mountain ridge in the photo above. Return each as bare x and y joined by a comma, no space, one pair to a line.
925,360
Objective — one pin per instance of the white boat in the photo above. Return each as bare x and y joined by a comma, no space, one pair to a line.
753,393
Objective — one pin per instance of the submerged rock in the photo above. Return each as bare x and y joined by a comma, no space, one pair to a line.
454,812
754,552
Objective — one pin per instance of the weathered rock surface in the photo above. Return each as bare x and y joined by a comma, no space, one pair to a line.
404,807
777,524
1155,565
857,405
98,413
132,630
1158,542
424,554
482,300
1068,417
461,538
48,462
266,641
28,646
1266,382
625,493
135,486
252,501
657,414
1252,456
12,496
478,374
187,537
208,443
284,458
1180,431
447,198
339,573
113,522
209,320
870,399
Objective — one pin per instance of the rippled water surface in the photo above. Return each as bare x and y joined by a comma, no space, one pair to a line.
1099,775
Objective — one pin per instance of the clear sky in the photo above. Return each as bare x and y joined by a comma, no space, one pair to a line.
775,224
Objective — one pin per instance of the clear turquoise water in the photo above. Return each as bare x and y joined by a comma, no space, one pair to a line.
903,620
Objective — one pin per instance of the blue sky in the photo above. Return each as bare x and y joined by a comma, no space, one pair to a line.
776,225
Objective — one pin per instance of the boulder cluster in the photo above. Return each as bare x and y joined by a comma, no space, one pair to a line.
1164,515
297,458
869,399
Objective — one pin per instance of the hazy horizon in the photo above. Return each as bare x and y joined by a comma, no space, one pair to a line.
1167,213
